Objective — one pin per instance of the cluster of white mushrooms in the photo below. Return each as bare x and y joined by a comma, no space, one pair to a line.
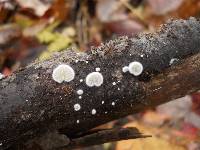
65,73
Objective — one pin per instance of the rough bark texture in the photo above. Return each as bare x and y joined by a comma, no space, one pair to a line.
103,136
32,103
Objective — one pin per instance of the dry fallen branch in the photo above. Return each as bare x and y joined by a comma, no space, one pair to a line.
33,104
103,136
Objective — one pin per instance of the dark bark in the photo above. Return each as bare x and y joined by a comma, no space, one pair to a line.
104,136
32,103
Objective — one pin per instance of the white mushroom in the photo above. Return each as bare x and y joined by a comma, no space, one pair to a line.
63,73
94,79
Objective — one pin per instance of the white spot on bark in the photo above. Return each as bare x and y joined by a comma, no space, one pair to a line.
77,121
80,92
173,60
94,79
118,89
114,83
142,55
63,73
81,80
94,111
76,61
113,103
135,68
102,102
1,76
77,107
97,69
125,69
80,97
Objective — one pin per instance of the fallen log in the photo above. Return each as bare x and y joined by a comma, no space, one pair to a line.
34,101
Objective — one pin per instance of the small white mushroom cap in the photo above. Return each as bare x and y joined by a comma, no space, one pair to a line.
63,73
80,92
114,83
94,111
77,107
113,103
97,69
1,76
94,79
125,69
135,68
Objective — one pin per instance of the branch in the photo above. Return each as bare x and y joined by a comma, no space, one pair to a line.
32,103
104,136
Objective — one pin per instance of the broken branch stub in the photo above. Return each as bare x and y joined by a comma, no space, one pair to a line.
33,103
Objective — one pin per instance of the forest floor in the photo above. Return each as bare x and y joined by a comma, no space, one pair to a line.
37,29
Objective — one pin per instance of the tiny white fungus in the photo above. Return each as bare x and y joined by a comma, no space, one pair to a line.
94,111
142,55
94,79
1,76
80,97
86,62
173,60
118,89
97,69
102,102
63,73
125,69
81,80
77,107
113,103
135,68
76,61
114,83
80,92
77,121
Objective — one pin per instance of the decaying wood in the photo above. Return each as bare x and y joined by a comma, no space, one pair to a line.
104,136
33,104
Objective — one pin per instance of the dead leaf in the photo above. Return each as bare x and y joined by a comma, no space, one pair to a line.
154,118
110,10
8,33
124,27
59,10
38,6
161,7
156,142
196,103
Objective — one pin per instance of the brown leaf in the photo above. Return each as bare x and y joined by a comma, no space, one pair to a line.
124,27
161,7
38,6
8,33
156,142
59,10
154,118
